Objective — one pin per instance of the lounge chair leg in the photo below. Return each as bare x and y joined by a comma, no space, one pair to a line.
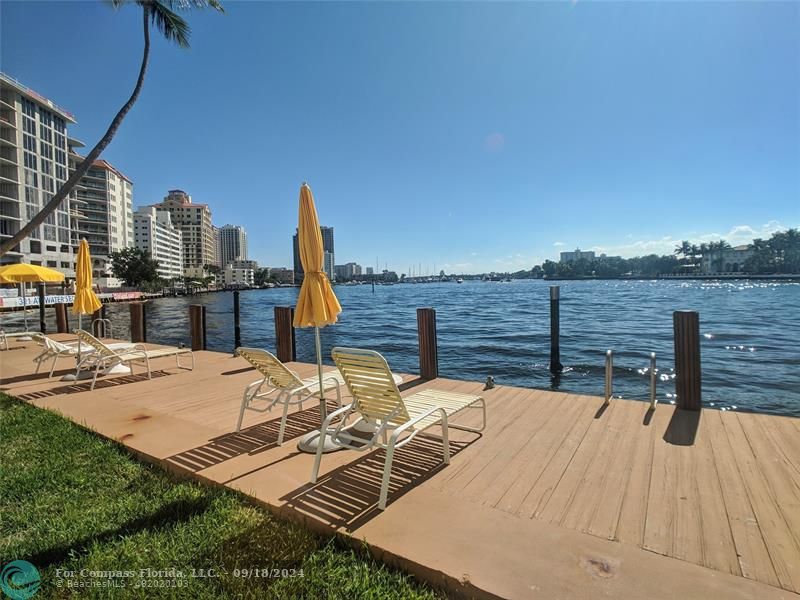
318,457
94,379
53,368
245,402
387,470
283,420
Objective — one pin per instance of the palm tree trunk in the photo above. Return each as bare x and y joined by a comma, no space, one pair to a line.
87,162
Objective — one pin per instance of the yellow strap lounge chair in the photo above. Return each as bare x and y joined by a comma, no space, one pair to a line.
55,350
104,357
288,385
377,401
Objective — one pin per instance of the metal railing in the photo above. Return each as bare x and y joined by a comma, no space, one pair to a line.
609,379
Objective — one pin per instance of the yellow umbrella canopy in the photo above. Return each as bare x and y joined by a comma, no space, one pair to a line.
86,302
25,273
317,305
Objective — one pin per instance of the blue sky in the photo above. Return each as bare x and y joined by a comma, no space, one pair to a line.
474,136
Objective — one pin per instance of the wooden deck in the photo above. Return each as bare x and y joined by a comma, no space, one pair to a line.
559,497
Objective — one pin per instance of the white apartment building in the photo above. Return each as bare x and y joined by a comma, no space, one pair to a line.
232,244
577,255
194,221
33,166
105,203
154,233
347,271
238,277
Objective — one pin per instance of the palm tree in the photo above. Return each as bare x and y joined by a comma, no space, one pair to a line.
160,13
685,249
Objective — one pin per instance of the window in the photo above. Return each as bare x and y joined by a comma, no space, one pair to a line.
28,107
45,116
30,160
36,247
52,263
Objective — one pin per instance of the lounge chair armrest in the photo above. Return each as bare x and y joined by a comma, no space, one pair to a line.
410,423
331,416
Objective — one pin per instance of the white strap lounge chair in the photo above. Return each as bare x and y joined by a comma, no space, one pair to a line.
4,337
288,385
104,357
377,401
55,350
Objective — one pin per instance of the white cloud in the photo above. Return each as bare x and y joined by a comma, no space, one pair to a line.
559,244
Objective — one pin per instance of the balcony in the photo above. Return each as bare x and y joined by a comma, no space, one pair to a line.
8,173
7,136
8,155
9,191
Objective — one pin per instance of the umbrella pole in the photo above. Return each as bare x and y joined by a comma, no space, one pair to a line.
322,404
24,305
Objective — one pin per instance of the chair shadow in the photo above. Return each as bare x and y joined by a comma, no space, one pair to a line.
86,386
347,497
250,440
682,428
42,375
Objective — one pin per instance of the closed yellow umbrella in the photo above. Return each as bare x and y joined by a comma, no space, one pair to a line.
23,273
86,301
317,305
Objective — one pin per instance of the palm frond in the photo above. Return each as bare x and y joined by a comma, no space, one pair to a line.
170,24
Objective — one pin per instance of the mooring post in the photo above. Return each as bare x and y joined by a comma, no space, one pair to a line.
428,347
62,325
138,322
197,323
284,334
237,330
42,318
686,326
96,316
555,347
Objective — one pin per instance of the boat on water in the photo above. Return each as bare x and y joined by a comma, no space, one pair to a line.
459,280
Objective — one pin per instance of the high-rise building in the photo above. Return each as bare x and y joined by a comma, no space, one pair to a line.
154,233
370,271
327,265
105,204
232,240
33,166
197,232
327,246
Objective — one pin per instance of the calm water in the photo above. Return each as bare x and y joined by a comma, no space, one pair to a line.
750,343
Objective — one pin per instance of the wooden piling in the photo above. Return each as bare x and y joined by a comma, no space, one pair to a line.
686,327
138,322
62,322
197,324
555,330
237,330
284,334
428,347
42,318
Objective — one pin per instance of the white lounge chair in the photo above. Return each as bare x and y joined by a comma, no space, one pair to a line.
104,357
377,401
4,337
55,350
288,385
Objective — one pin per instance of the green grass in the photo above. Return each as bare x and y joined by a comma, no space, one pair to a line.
73,501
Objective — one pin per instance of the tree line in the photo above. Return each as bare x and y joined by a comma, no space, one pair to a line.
780,254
